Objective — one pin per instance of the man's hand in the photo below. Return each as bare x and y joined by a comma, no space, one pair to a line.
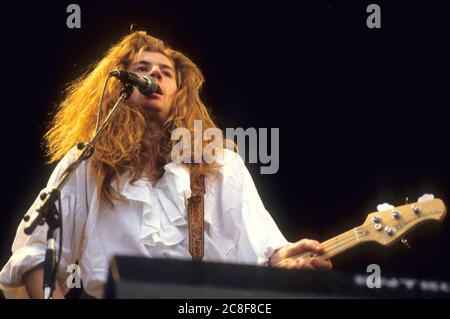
301,246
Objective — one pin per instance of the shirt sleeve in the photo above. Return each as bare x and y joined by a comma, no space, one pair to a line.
259,235
28,251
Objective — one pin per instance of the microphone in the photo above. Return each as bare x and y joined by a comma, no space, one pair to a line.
145,84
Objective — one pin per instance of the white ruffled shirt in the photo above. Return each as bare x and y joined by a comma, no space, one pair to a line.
152,223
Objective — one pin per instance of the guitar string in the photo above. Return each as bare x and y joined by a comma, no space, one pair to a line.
346,238
330,246
340,246
350,233
327,250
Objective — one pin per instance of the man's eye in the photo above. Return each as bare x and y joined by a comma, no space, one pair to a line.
142,69
167,73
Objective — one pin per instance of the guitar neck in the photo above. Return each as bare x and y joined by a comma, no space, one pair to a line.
383,227
332,247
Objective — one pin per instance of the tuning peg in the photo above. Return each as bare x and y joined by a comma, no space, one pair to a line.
396,214
376,219
405,242
390,231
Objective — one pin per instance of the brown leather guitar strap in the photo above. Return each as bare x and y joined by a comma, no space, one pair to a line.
196,206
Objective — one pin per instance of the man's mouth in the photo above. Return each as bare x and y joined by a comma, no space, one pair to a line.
158,90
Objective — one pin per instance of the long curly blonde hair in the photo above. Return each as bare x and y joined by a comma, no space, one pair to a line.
126,143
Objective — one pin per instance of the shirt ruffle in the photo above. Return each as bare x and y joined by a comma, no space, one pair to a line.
164,207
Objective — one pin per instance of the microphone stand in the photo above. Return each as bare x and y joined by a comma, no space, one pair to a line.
47,211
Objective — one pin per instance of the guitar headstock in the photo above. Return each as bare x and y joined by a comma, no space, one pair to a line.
388,226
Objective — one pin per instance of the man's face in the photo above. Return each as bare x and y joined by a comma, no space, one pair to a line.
159,67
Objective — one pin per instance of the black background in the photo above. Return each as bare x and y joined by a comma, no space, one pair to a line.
362,112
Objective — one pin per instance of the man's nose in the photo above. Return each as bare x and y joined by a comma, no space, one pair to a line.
156,73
